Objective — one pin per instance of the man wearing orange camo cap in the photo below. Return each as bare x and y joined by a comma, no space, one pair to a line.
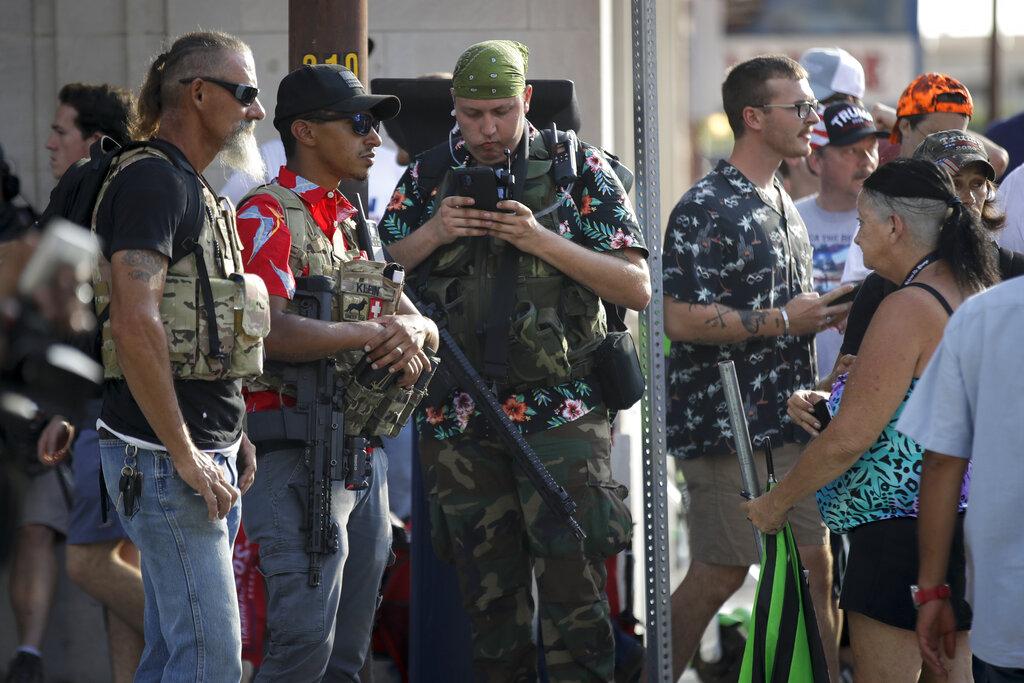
935,102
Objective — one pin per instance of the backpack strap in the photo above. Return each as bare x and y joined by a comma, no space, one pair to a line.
105,155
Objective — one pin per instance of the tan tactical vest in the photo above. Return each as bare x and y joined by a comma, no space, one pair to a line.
361,292
241,304
557,323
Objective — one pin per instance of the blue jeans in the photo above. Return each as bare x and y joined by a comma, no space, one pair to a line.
322,630
192,626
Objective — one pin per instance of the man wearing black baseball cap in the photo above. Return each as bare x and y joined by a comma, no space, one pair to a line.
844,152
301,225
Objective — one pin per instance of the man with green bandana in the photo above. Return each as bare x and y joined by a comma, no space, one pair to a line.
557,249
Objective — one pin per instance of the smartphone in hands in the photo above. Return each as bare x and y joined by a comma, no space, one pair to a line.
821,414
478,182
848,297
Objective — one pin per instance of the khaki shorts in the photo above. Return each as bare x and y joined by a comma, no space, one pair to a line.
45,503
718,528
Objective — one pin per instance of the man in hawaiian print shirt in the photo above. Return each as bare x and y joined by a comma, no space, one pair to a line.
486,517
738,285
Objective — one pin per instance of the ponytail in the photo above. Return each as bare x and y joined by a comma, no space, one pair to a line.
149,103
192,54
966,246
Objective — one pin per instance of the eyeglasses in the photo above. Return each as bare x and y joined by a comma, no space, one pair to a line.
803,109
245,94
362,123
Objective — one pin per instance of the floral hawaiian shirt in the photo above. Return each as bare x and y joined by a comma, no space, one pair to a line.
727,243
596,214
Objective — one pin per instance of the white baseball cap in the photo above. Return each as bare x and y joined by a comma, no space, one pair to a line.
832,70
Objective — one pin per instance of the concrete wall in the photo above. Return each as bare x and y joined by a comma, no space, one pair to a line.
46,43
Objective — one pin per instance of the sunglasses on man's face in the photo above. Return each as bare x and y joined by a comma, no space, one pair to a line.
362,123
245,94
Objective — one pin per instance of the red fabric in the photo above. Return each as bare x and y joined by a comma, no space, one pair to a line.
267,241
611,588
391,630
252,600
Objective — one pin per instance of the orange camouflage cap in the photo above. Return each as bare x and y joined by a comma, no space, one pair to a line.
930,93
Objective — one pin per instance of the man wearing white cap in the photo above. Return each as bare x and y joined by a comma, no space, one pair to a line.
834,76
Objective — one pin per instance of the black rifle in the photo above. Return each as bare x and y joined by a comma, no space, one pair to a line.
459,372
317,420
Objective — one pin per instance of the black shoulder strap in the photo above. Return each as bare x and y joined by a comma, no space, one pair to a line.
935,293
504,296
434,163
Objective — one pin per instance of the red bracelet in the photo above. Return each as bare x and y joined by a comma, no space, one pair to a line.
923,595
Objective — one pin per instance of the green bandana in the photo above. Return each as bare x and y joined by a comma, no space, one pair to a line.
491,70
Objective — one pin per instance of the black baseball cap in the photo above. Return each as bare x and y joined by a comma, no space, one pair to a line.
843,124
315,87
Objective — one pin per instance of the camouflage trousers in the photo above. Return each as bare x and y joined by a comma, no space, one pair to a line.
489,520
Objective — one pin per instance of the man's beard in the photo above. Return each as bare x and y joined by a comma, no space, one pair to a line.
242,153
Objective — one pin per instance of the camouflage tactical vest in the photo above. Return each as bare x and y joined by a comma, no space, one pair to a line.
361,292
557,323
241,306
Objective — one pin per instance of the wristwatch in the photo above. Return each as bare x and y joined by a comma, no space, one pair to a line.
922,595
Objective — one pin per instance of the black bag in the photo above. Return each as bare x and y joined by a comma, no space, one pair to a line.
75,195
617,367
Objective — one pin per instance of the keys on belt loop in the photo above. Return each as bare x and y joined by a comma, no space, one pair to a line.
130,485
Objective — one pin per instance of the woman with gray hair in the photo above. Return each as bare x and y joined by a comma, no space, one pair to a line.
914,231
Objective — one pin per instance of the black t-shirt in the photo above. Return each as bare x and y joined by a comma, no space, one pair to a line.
876,288
144,208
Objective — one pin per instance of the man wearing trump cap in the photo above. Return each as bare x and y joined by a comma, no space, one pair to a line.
557,248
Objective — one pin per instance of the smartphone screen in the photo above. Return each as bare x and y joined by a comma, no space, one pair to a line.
479,183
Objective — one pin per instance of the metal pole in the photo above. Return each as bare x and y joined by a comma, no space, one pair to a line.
740,434
652,325
995,67
330,32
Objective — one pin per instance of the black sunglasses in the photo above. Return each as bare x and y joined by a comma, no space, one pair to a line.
362,123
246,94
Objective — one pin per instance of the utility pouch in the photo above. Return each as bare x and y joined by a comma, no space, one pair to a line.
358,467
617,368
242,312
365,291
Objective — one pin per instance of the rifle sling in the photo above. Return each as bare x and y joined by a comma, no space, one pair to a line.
495,361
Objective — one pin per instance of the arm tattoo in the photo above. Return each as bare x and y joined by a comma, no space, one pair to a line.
717,319
143,264
753,320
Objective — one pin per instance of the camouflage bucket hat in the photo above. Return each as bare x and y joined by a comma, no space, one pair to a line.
491,70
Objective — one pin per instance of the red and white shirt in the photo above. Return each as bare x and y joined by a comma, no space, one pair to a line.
267,242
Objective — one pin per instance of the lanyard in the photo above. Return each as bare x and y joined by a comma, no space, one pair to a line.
921,265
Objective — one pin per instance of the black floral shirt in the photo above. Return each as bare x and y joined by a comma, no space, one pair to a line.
727,243
596,214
